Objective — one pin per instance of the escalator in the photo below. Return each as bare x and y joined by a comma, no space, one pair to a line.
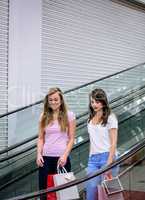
17,163
131,175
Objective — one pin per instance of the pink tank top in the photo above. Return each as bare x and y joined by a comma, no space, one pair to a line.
55,140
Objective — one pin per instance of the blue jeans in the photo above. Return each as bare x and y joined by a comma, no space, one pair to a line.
96,162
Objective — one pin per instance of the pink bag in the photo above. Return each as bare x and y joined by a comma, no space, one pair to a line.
102,194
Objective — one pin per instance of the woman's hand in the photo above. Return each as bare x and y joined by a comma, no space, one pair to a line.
108,175
62,161
39,160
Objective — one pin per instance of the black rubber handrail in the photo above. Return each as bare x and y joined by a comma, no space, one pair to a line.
25,141
18,153
138,4
71,90
34,145
78,117
12,181
76,146
20,177
120,160
32,138
78,124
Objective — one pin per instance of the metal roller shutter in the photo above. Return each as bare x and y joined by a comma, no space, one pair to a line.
4,18
83,40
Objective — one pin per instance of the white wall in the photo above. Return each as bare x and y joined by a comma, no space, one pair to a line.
24,65
24,52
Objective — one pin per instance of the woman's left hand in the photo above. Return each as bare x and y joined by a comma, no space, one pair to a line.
62,160
108,175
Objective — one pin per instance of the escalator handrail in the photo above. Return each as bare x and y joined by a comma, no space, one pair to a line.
30,148
71,90
34,145
12,147
12,181
120,160
78,117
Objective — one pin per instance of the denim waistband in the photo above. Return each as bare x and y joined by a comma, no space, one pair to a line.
97,154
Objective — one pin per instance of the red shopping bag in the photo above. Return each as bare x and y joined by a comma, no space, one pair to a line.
50,183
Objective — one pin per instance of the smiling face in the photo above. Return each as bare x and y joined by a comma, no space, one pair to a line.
54,101
96,105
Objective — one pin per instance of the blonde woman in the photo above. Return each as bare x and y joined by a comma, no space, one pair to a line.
56,136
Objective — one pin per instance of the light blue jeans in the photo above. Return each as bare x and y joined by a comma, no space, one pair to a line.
96,162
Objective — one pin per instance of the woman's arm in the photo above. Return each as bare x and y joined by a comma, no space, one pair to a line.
71,134
40,143
113,133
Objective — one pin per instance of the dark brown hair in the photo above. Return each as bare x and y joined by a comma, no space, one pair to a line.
99,95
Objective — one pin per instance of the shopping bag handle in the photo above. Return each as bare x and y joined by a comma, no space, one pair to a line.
61,170
108,177
67,175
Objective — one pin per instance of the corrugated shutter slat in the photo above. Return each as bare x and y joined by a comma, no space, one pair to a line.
4,20
86,40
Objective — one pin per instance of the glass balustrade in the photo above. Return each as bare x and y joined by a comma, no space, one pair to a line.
126,92
24,124
127,179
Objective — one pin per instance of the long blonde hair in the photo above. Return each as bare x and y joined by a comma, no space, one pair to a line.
47,115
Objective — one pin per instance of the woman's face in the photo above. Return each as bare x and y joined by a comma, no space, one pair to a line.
54,101
96,105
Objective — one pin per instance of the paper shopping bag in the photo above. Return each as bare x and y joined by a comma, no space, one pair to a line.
68,193
50,183
102,194
112,185
112,189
